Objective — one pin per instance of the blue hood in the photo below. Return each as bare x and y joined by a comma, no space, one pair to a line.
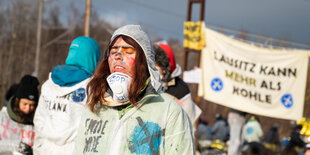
84,52
81,62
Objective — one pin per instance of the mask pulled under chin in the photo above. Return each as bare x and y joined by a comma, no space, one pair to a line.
119,84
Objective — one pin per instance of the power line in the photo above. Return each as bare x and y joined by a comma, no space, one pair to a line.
261,37
160,10
162,29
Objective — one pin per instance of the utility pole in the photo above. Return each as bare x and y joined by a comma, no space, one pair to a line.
86,18
37,56
186,50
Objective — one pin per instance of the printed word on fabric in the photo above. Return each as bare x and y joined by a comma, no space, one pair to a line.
119,83
94,132
27,136
116,78
78,95
146,138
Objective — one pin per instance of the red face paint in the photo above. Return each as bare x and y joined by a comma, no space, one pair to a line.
131,62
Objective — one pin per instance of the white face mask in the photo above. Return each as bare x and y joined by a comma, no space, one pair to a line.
119,83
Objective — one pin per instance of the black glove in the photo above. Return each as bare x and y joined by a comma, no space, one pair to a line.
24,149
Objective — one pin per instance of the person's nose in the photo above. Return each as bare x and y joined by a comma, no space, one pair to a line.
27,109
118,55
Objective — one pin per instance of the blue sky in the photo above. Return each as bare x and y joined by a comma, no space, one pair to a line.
164,18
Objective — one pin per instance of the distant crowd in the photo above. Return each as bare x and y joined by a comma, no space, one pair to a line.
242,134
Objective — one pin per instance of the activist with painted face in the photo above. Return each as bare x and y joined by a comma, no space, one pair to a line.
127,112
122,57
16,118
63,98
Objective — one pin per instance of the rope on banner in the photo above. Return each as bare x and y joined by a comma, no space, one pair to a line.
267,39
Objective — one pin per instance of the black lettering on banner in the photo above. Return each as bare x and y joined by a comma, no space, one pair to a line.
222,59
283,72
256,96
271,72
235,90
271,85
245,66
279,85
252,67
239,64
263,70
215,57
192,28
192,38
292,72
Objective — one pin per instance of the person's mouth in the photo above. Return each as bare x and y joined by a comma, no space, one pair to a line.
118,68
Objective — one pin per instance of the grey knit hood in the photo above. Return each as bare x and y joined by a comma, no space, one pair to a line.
136,33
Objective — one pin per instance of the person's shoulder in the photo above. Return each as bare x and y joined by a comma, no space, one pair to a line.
4,112
170,102
179,89
180,82
3,109
166,97
48,82
49,88
162,98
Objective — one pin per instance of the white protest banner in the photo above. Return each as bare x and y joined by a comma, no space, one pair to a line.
263,81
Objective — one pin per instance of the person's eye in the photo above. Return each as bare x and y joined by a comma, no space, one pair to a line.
129,51
113,50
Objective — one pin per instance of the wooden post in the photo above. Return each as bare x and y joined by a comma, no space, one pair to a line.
189,15
188,18
87,17
38,45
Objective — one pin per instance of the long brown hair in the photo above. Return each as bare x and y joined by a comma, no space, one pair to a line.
22,117
98,86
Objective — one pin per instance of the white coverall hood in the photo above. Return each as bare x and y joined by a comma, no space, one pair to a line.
136,33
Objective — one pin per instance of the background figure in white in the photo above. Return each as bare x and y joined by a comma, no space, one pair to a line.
236,120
